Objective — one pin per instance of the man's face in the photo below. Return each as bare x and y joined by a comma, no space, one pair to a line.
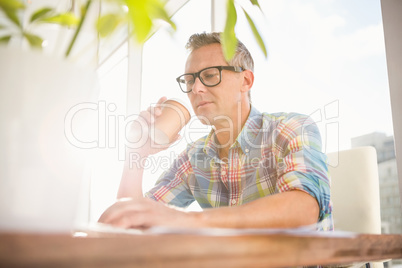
220,102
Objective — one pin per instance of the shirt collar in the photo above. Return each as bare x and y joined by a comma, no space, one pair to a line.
248,135
210,147
246,138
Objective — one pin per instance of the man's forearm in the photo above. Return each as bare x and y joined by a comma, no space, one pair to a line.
284,210
131,180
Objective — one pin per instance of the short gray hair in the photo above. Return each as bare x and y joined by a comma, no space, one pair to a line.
241,58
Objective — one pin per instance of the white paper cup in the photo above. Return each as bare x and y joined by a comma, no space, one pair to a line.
175,115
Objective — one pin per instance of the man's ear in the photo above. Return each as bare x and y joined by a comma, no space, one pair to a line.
248,80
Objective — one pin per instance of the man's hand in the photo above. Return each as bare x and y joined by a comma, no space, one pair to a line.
141,146
145,213
139,137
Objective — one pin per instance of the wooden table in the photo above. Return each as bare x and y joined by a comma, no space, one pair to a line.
189,250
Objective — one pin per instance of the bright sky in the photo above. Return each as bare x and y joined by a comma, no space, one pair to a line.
326,51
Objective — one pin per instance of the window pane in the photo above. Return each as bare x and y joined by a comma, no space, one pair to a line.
107,167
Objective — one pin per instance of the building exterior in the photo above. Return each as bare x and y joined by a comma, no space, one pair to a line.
391,213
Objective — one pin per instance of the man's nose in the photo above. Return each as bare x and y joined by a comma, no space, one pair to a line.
198,86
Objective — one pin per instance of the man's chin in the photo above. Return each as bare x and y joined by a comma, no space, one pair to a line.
205,120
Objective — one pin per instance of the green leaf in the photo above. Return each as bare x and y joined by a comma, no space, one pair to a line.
5,39
12,15
79,26
10,8
11,4
255,3
65,19
34,40
40,13
229,40
157,11
143,13
108,23
257,35
140,19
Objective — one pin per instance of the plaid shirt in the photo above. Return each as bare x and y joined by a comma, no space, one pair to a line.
273,153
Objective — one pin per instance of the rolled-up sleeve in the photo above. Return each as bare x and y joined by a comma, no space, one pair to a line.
302,164
172,186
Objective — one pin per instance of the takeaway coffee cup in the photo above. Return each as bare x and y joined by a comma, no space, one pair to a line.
175,115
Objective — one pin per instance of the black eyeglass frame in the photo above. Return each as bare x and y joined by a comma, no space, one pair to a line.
236,69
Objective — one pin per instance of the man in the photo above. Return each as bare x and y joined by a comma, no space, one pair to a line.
253,170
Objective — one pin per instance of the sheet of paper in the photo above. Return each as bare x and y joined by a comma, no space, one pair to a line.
161,230
302,231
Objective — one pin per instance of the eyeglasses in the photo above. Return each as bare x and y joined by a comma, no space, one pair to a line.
209,77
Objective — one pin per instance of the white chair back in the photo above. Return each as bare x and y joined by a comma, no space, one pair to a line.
355,190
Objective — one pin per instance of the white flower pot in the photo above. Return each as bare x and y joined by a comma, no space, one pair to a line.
40,170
